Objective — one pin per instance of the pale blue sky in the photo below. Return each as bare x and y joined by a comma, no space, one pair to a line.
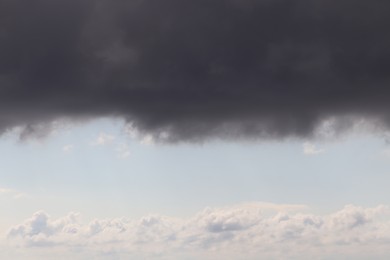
104,174
181,179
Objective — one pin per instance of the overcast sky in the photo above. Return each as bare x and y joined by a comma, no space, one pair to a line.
183,129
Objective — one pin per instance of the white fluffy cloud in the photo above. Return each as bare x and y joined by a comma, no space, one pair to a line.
248,231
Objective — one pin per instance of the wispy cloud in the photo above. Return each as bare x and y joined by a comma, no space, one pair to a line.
103,139
311,149
145,138
123,150
68,148
12,193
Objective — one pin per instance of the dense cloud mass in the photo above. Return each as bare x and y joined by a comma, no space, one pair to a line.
241,232
195,69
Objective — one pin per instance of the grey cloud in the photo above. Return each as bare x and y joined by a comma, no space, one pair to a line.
195,69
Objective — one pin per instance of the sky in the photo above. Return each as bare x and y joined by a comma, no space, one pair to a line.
208,129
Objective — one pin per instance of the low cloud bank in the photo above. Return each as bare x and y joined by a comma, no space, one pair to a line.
248,231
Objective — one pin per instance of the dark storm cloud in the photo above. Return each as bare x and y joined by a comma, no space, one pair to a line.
195,68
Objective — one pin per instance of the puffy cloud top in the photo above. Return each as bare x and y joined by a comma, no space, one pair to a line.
246,231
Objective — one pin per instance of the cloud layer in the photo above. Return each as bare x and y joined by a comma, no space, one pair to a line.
247,231
195,69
